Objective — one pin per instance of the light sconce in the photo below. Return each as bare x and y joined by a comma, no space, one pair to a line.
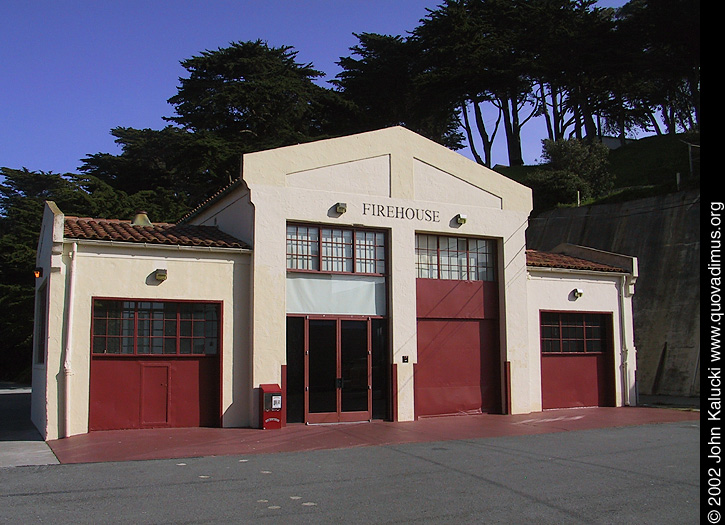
461,219
577,293
160,274
38,272
341,207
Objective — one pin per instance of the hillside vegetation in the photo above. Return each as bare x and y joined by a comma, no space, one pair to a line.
642,168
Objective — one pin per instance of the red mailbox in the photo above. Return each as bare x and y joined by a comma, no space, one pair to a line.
270,406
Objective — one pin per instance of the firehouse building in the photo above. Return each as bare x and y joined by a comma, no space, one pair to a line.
373,276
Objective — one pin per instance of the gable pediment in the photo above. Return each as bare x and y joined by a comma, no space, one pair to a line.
391,162
433,184
369,176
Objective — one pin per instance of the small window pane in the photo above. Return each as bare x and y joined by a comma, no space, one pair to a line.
99,327
169,346
157,345
113,345
184,346
198,346
143,345
186,311
210,346
99,345
127,344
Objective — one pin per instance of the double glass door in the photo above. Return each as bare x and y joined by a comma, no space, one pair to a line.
338,364
338,369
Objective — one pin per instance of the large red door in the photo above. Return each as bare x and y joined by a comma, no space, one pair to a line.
150,392
458,368
577,368
576,380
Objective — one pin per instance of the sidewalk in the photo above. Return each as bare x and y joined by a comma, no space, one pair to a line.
20,443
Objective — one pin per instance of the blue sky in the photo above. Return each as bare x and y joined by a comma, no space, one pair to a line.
73,70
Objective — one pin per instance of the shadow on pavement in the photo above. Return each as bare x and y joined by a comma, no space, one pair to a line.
15,424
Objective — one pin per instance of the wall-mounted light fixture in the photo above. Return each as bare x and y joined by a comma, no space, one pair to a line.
38,272
160,274
341,207
577,293
461,219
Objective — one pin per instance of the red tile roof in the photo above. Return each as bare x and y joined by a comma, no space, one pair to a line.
160,233
539,259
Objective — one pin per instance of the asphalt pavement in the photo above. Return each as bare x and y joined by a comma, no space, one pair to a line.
646,474
628,465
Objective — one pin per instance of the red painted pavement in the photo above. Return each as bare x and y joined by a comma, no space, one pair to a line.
129,445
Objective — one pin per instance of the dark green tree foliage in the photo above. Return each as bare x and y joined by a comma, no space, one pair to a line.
476,52
666,69
385,88
573,169
576,64
252,95
172,161
585,69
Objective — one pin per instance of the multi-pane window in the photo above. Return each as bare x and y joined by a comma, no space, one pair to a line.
335,250
155,327
573,332
303,248
456,258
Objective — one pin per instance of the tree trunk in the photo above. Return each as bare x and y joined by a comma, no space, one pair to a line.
513,140
545,111
487,141
469,134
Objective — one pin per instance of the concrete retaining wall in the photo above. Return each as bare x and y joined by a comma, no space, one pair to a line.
664,234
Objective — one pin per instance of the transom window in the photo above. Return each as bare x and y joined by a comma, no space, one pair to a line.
457,258
573,332
335,250
155,327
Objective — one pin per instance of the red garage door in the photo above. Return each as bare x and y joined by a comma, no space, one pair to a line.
154,364
576,360
458,368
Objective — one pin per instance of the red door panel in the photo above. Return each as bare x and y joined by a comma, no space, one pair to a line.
576,380
458,367
127,392
447,299
154,395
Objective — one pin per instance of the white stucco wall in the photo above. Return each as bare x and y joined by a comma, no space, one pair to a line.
48,257
124,270
381,176
551,289
232,213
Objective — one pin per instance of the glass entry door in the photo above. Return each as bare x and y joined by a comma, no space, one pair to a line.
338,363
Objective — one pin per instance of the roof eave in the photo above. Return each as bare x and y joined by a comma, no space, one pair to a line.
152,245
